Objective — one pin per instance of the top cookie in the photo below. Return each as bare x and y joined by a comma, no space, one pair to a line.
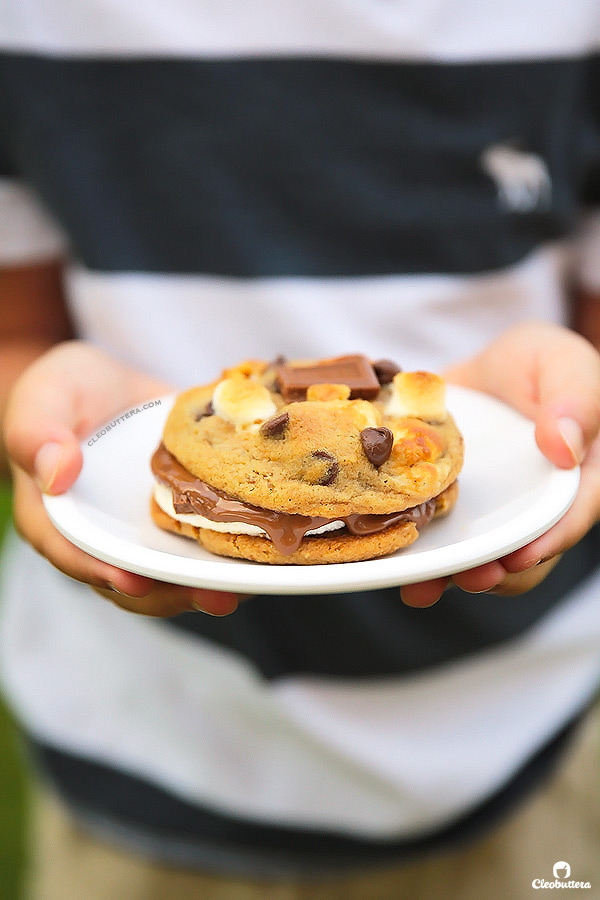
330,438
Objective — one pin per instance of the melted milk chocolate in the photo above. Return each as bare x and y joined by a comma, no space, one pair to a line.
286,530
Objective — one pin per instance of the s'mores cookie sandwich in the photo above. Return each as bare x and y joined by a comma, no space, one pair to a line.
308,461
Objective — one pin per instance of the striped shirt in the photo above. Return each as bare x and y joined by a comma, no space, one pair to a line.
406,180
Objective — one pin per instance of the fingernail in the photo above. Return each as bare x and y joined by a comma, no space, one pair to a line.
46,465
113,587
545,559
200,603
572,435
197,607
487,590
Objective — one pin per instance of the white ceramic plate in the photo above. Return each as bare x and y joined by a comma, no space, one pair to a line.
509,495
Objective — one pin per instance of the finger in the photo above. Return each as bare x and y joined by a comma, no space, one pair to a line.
43,410
165,600
477,580
130,591
423,593
582,515
521,582
57,464
549,374
569,397
481,578
43,446
33,524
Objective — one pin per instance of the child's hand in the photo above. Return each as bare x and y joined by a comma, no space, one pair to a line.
61,398
552,376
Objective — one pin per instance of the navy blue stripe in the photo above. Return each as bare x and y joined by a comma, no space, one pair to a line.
180,832
261,167
373,635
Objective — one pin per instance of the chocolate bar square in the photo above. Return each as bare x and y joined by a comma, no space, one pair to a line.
355,371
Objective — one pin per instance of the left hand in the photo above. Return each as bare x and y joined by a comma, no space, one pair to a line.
552,376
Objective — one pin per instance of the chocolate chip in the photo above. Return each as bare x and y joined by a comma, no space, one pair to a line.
385,369
332,471
377,444
275,427
207,411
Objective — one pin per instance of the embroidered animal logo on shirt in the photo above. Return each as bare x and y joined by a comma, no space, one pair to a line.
522,179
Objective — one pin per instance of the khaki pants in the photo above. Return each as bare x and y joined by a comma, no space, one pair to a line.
560,823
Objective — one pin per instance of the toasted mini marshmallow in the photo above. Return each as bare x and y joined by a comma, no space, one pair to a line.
242,401
248,367
418,394
327,392
414,442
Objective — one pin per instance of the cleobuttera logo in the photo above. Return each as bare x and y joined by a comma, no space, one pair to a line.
561,870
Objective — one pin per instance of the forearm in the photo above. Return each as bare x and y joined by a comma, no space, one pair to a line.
33,317
586,315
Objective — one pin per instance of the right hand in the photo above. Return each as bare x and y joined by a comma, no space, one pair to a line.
60,399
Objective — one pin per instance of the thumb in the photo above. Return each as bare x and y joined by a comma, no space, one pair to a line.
568,417
561,438
57,401
57,465
40,428
551,375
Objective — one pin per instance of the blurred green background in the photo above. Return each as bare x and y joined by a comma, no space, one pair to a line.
13,780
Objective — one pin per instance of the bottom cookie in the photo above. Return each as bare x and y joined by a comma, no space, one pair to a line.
315,550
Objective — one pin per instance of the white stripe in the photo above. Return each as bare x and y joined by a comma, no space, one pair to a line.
28,234
421,29
204,323
382,759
